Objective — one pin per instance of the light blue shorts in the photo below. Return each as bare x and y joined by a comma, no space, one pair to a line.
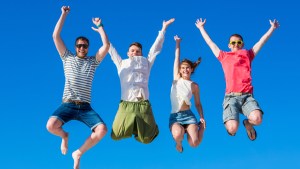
184,118
233,105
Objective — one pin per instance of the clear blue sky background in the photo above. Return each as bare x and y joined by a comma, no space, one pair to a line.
32,82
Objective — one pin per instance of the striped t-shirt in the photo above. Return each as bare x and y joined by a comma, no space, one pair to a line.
79,74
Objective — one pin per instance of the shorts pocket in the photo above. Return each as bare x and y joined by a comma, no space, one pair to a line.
226,102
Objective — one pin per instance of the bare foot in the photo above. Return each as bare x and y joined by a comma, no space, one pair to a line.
179,148
76,157
64,145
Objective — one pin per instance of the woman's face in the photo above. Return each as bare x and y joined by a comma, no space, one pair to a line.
185,70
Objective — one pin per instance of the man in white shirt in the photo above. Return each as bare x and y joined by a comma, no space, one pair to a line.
134,116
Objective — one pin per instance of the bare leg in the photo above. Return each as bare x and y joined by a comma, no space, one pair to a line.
178,134
92,140
54,126
193,135
76,157
200,132
64,144
231,127
255,118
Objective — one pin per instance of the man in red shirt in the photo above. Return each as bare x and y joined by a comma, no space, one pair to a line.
237,69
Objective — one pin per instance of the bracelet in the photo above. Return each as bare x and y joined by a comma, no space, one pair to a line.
100,25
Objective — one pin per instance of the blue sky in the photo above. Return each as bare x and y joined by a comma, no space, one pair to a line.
32,82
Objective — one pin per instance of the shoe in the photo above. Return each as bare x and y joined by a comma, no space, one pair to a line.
251,132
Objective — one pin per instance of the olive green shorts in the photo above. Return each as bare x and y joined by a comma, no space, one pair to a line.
135,118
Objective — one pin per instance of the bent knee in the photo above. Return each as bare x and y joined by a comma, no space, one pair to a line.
195,143
49,127
100,129
256,121
177,135
53,124
231,128
255,117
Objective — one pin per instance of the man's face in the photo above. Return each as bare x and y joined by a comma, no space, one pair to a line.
134,51
235,43
81,48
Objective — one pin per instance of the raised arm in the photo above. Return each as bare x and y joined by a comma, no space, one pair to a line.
115,57
200,25
60,46
274,25
166,24
198,105
158,43
105,42
176,74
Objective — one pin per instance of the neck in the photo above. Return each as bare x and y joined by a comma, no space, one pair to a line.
186,78
81,57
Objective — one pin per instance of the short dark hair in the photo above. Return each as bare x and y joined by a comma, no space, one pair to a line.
139,45
82,38
236,35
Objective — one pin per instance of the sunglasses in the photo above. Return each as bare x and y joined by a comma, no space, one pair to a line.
239,42
85,46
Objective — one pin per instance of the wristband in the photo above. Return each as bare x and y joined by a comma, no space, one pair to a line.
100,25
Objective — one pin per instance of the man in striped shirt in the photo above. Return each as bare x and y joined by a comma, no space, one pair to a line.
79,72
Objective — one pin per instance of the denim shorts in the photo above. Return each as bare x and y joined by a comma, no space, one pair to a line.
82,112
233,105
182,117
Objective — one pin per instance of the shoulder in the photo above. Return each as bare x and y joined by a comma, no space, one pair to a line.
195,87
194,84
68,54
92,59
222,54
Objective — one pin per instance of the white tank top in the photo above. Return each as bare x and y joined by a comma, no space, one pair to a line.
181,91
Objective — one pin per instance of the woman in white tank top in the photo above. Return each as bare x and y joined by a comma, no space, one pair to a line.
182,120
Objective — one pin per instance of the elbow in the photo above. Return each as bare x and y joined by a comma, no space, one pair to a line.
198,105
106,46
55,36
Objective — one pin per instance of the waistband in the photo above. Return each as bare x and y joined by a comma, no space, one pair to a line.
77,102
236,94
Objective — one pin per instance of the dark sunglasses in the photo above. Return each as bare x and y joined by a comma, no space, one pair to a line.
239,42
85,46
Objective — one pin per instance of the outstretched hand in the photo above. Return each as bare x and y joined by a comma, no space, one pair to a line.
97,22
274,23
167,23
200,23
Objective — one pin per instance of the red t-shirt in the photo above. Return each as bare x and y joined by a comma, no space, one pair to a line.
237,70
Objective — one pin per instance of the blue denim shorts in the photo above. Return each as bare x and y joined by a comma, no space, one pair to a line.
233,105
182,117
82,112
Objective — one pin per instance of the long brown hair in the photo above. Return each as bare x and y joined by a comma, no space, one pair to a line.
193,65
